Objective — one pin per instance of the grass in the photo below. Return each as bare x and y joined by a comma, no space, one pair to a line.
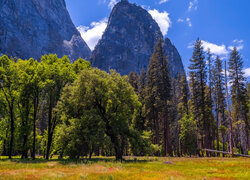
132,168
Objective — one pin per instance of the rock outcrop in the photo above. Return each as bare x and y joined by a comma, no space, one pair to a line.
31,28
128,42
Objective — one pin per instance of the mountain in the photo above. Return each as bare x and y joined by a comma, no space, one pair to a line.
31,28
128,42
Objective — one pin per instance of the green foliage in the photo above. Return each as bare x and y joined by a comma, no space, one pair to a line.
239,99
157,96
188,137
198,79
23,84
97,103
54,107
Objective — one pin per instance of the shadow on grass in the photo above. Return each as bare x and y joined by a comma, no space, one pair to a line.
66,161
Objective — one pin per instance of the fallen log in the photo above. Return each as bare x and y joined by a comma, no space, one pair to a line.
224,152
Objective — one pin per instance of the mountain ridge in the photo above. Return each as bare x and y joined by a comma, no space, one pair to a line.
31,28
128,42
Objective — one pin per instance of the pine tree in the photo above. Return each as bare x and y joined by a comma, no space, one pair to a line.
198,74
239,97
219,91
158,90
210,102
184,91
133,80
165,96
152,97
140,118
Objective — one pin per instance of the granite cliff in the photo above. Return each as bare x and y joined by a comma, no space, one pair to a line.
31,28
129,40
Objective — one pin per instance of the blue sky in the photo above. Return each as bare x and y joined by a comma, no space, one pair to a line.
221,24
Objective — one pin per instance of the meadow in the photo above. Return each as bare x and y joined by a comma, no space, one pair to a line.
131,168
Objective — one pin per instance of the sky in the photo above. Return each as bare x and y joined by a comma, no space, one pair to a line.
220,24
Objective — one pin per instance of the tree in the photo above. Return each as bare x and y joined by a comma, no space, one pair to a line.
102,97
239,97
184,94
248,93
3,125
140,120
30,74
188,134
198,75
152,98
158,89
165,96
183,110
210,100
133,80
24,102
9,87
57,73
219,90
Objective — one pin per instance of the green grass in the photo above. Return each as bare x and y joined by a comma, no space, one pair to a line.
132,168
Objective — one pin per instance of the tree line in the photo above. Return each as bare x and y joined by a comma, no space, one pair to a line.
54,107
209,109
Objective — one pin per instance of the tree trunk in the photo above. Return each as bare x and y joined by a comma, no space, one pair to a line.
4,148
167,144
35,103
229,114
217,130
157,134
5,144
223,141
11,132
25,134
49,140
24,153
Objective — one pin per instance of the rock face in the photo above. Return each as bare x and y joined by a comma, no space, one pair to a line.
174,59
128,42
31,28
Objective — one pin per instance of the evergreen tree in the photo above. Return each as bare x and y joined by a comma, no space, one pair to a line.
198,75
210,102
219,90
184,93
152,96
140,120
165,96
133,80
158,91
239,98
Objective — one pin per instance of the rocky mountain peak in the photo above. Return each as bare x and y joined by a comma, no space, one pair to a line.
31,28
129,40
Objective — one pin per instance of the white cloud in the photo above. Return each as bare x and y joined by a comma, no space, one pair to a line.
220,50
91,34
238,44
247,72
112,3
163,1
180,20
238,41
163,20
240,47
189,23
187,20
193,5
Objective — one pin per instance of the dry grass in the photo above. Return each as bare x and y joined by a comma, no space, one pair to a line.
133,168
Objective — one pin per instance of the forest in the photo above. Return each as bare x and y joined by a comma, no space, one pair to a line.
51,107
